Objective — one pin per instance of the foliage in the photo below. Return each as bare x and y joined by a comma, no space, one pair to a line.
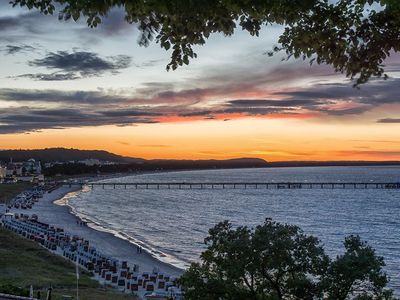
353,39
354,36
279,261
358,272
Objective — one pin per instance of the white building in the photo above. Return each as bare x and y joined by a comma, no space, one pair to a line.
3,172
90,162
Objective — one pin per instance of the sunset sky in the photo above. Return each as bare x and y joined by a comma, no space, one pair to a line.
63,84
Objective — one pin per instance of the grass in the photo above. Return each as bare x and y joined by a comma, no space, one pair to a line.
24,263
10,190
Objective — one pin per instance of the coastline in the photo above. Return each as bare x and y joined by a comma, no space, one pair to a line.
145,248
53,209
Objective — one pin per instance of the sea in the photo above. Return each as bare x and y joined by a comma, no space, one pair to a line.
172,224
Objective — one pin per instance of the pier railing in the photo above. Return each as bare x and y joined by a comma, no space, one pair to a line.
238,185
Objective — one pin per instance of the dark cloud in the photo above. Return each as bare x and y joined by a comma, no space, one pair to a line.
70,65
254,111
56,76
77,64
200,113
271,103
57,112
340,99
346,111
32,22
62,97
196,93
128,113
269,106
81,61
13,49
7,23
389,120
25,119
373,93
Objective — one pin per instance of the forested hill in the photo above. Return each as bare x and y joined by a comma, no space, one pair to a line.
63,155
68,155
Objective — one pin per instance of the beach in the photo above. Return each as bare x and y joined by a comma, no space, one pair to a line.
53,209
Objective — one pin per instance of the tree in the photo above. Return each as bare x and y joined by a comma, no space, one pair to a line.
358,272
278,261
354,36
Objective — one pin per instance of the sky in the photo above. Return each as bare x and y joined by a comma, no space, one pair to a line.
63,84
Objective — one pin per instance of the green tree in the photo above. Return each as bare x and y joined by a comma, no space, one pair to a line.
356,273
279,261
353,36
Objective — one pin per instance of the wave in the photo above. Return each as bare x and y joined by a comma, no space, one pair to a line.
99,225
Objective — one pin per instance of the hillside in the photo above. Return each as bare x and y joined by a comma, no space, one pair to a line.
24,263
63,155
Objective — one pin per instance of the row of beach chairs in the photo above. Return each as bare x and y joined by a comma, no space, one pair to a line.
105,269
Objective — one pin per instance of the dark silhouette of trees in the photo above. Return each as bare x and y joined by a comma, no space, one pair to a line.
279,261
353,36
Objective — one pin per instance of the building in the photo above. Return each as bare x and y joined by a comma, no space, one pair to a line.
32,167
90,162
21,171
3,172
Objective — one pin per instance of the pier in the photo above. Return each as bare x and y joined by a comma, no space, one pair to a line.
237,185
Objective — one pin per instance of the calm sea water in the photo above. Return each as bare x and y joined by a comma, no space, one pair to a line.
173,223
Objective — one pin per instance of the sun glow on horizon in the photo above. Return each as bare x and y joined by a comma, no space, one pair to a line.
216,139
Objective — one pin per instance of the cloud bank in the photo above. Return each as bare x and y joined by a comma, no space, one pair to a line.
104,107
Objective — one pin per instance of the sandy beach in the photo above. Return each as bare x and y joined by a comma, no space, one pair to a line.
107,243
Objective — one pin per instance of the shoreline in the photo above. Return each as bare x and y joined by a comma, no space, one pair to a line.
150,250
61,215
